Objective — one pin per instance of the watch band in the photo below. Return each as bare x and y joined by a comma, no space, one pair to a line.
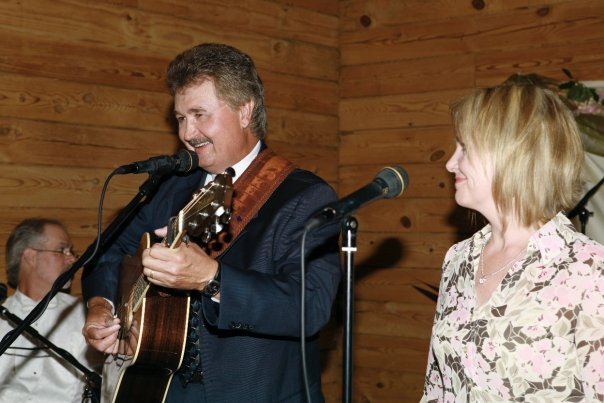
213,286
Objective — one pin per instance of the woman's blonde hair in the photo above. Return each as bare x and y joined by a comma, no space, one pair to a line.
533,144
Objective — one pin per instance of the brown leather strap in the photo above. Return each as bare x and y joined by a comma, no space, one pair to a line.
251,190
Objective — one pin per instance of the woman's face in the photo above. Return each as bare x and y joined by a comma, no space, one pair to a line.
473,180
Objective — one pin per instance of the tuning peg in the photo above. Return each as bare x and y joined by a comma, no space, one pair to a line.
206,236
226,217
217,226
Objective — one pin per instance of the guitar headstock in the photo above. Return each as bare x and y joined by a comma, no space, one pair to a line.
206,214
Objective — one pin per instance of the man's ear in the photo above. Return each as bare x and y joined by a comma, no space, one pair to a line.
245,113
29,256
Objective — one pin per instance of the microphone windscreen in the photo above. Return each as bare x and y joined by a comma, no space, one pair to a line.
396,180
187,160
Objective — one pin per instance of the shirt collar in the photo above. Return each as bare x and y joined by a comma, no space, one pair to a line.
27,303
547,240
242,165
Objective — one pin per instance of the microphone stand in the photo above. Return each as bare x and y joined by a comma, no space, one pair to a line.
580,209
147,188
349,236
93,380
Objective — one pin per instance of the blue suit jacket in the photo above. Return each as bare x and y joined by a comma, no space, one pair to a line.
250,347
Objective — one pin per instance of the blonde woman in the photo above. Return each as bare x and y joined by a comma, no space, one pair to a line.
520,312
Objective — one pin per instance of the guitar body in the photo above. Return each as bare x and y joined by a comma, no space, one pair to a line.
152,349
154,320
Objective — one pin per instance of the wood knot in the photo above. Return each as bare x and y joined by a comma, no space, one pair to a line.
437,155
478,4
59,106
365,20
278,47
406,222
88,98
543,11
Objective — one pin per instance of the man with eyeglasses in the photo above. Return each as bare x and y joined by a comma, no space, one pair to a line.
37,252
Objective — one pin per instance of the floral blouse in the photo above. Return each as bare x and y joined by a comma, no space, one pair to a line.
540,336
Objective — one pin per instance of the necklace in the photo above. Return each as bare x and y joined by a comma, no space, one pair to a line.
484,277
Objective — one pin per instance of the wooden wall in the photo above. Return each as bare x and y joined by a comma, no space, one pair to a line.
402,63
352,86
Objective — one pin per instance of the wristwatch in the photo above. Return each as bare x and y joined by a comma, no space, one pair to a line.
213,286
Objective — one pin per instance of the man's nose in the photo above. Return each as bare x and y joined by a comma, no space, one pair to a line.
188,130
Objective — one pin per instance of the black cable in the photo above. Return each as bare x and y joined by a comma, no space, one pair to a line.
577,209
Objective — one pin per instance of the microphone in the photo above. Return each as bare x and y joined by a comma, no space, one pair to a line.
390,182
182,161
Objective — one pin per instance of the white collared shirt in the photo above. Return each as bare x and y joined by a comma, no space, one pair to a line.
30,374
242,165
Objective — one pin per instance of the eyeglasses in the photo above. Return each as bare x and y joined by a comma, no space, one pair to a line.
67,251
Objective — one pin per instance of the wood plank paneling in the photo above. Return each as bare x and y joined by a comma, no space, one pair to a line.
302,128
430,144
379,13
106,25
585,59
407,76
322,6
313,158
57,187
387,386
397,285
38,142
300,93
29,97
380,251
394,319
274,19
28,55
396,111
530,26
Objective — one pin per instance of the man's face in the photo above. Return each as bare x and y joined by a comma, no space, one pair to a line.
207,125
50,260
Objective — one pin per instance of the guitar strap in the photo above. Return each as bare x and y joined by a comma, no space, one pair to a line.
250,192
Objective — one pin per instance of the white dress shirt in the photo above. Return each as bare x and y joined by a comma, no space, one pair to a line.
30,372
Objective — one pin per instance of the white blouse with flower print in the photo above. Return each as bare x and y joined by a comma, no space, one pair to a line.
540,336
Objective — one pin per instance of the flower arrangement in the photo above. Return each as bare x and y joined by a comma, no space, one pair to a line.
583,100
587,105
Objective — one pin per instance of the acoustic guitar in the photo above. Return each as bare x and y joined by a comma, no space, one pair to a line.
154,319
